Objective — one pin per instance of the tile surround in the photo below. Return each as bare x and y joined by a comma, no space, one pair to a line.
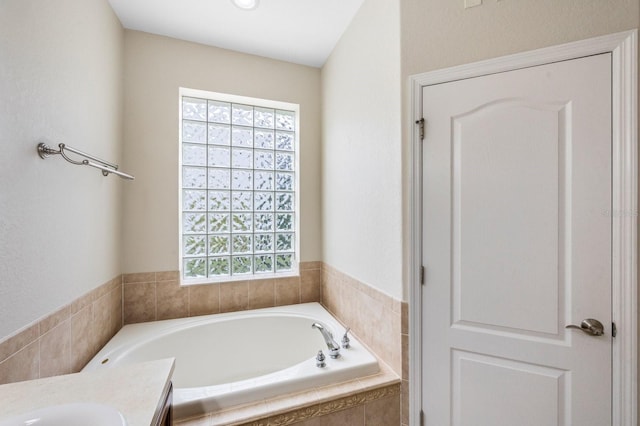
63,341
154,296
372,315
262,294
378,320
381,323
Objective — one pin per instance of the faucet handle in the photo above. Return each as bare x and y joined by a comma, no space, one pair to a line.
345,339
320,360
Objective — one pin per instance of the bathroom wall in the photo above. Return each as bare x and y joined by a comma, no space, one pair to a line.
155,68
60,81
361,150
362,184
66,339
441,33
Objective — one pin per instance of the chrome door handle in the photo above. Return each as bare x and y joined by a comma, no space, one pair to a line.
590,326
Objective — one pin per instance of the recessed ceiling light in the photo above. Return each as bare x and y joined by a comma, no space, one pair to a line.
246,4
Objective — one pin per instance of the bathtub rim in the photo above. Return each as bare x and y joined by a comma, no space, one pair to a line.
175,324
368,360
300,405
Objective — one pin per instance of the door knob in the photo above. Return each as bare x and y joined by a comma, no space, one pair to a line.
590,326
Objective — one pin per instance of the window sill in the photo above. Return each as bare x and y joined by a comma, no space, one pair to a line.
238,278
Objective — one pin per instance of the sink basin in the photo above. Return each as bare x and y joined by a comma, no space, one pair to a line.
76,414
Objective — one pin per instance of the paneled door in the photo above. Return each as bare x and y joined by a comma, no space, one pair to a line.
516,242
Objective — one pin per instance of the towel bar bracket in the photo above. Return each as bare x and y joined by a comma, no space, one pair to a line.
44,151
105,167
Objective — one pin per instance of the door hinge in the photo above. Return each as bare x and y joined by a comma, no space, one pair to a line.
421,418
614,329
422,275
421,124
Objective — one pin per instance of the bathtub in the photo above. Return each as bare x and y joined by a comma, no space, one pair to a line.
224,360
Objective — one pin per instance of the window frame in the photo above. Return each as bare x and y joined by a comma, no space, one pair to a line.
254,102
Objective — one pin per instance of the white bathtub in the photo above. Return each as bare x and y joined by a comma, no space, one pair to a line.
228,359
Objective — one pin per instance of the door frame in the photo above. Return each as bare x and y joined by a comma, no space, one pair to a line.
623,49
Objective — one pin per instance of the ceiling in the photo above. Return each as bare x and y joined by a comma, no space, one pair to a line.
300,31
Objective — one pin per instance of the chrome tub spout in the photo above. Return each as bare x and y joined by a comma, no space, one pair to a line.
332,345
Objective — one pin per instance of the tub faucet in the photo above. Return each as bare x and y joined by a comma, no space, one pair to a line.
334,348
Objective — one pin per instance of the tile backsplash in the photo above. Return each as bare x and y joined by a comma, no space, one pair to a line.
378,320
158,295
65,340
372,315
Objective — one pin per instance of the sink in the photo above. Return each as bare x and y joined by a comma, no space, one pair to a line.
76,414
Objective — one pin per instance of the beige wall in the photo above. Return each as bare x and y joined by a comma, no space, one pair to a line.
361,150
155,68
60,81
440,33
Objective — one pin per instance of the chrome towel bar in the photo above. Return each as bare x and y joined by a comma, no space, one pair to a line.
89,160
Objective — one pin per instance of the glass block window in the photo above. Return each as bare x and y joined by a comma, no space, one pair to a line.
238,189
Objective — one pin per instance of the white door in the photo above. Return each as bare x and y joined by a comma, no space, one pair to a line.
517,245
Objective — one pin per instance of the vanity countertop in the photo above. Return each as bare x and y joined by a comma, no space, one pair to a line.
135,390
